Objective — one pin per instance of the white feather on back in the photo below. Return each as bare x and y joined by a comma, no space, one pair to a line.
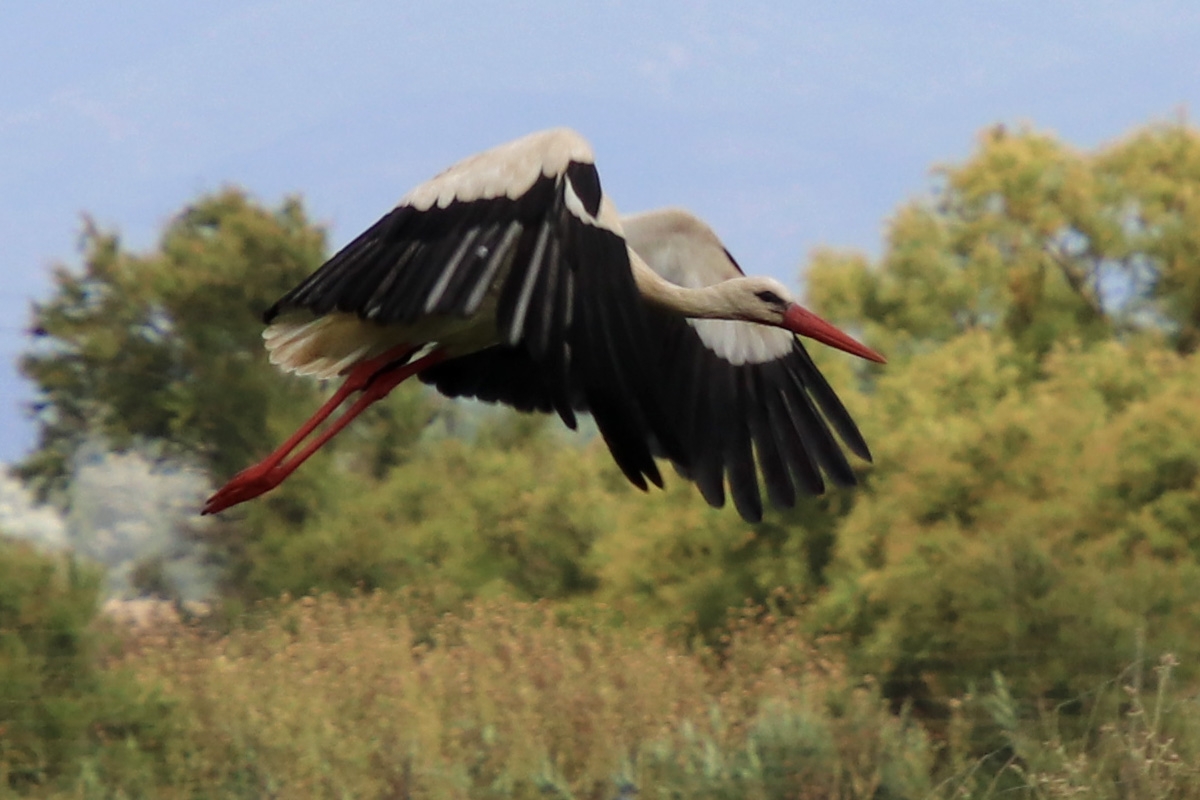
505,171
681,248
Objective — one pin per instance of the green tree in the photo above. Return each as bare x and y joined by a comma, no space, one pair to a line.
1160,170
1035,498
166,347
163,350
1038,242
1032,529
61,712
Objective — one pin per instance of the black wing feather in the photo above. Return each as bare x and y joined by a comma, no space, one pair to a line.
774,415
815,433
709,407
571,331
830,403
805,473
774,470
739,456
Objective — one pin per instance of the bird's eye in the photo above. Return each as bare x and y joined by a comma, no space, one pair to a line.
767,296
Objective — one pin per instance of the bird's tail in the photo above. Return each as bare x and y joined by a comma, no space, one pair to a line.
324,347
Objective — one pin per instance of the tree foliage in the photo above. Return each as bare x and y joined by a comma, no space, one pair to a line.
163,350
1038,242
1035,504
1031,529
166,347
60,713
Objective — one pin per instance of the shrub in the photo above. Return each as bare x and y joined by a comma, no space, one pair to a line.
330,697
62,715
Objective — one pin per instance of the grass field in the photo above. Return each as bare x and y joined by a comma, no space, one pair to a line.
370,697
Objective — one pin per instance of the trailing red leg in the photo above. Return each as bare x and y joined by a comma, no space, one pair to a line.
374,378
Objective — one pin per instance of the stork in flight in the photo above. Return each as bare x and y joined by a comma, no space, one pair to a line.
510,278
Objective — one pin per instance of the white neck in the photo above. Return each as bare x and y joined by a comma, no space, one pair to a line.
709,302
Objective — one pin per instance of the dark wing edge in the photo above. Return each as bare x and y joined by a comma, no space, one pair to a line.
572,329
776,414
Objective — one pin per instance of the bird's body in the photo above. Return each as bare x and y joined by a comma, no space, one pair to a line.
510,277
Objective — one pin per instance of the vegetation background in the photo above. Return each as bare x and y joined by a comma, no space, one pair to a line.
1008,604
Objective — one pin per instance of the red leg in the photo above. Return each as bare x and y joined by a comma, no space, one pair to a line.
374,378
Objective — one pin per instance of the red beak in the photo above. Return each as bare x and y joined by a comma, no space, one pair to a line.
804,322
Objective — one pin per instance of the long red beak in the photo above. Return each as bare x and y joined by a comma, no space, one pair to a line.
802,321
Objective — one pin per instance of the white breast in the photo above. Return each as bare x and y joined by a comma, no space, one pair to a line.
742,342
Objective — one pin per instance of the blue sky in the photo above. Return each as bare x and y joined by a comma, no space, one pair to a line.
786,125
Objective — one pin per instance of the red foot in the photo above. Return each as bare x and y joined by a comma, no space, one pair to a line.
246,485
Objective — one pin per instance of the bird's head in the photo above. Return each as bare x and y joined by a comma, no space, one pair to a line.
768,302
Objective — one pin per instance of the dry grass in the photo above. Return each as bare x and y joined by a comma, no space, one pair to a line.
332,698
375,697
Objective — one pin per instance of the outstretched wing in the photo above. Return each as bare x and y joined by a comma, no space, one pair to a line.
727,411
735,390
732,389
521,234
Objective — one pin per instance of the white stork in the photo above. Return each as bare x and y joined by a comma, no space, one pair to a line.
510,278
